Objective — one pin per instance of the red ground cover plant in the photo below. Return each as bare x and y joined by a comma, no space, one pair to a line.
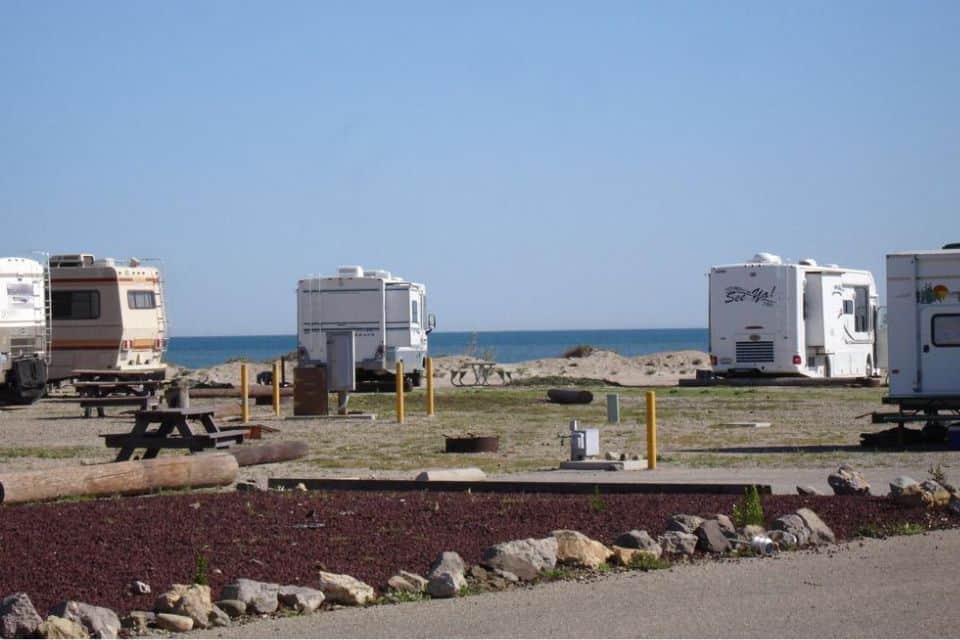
91,550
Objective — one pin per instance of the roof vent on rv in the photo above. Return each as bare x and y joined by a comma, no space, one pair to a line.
134,262
72,260
380,273
952,245
350,271
767,258
808,262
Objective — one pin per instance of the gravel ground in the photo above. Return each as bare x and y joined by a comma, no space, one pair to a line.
898,587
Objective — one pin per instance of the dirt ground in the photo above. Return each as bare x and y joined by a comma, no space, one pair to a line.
809,428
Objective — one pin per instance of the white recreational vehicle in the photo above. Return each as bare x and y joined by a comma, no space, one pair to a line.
24,330
771,317
107,317
923,312
370,317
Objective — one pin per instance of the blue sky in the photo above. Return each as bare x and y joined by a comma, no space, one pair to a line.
537,165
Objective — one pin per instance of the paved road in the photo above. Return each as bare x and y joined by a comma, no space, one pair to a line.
883,588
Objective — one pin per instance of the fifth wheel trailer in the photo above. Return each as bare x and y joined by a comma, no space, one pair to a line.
923,313
770,317
369,318
24,330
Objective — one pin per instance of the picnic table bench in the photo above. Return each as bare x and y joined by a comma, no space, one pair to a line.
102,388
143,402
481,370
173,432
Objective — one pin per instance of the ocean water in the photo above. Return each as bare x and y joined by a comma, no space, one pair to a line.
502,346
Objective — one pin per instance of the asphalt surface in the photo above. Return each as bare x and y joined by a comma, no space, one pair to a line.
899,587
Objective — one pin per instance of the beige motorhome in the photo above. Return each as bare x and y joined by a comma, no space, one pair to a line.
107,316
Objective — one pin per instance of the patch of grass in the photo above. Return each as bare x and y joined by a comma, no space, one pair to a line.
647,562
200,576
559,572
906,529
603,567
396,597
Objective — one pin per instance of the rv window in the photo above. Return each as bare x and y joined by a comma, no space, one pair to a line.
141,300
946,330
76,305
414,314
848,307
861,320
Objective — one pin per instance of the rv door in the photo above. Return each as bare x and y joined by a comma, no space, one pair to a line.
940,348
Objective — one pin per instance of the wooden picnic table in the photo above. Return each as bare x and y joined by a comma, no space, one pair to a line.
173,432
103,388
481,370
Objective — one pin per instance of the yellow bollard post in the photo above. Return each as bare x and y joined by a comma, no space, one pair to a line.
399,388
244,394
651,430
430,406
276,389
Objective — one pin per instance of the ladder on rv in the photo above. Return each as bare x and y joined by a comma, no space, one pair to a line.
162,312
47,315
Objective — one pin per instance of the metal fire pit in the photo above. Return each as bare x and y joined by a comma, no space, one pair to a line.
472,444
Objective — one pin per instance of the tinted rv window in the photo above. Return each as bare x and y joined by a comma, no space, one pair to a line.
76,305
861,319
848,307
946,330
141,300
414,312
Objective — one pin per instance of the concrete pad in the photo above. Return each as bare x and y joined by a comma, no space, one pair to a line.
470,474
604,465
744,425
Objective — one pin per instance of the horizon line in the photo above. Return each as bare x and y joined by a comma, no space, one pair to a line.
478,331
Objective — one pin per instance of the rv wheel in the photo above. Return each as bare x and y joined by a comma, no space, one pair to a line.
416,379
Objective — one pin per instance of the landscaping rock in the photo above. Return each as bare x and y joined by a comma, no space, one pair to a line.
750,531
911,495
939,496
343,589
99,622
57,627
446,577
794,525
195,602
576,549
259,597
899,485
848,481
218,617
138,621
807,490
726,524
678,543
18,617
954,505
683,523
138,588
173,622
820,533
302,599
233,608
639,539
710,537
624,556
408,581
783,539
523,558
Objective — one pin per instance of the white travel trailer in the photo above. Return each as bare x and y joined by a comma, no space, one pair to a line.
107,317
370,317
770,317
923,314
24,330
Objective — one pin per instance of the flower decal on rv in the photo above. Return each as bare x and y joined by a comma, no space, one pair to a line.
757,296
930,294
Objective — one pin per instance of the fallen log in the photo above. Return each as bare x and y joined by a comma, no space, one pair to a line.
569,396
119,478
272,452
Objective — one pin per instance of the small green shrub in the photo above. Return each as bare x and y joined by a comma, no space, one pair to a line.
200,577
579,351
559,572
938,474
750,510
597,504
870,531
906,529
